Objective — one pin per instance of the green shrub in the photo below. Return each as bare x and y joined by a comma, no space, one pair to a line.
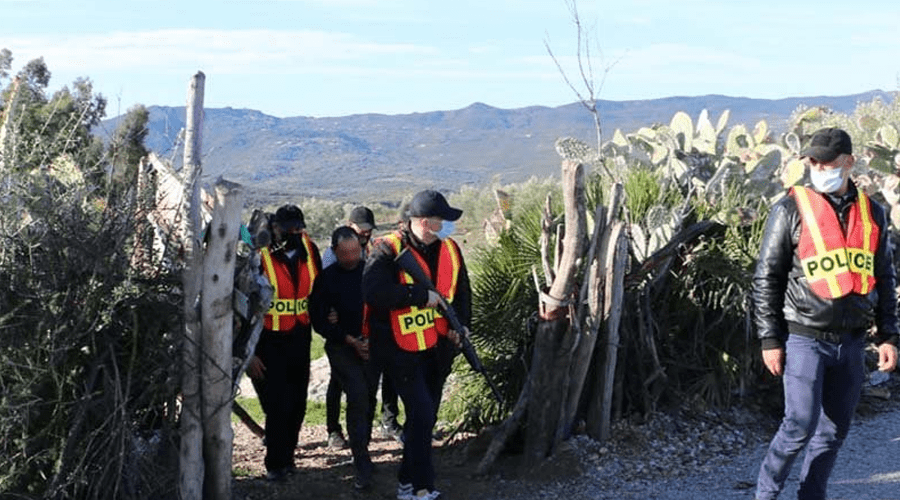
87,392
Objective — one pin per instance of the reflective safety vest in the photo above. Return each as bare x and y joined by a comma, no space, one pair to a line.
835,263
417,328
290,301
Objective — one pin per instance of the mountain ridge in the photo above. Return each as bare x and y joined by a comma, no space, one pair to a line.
374,157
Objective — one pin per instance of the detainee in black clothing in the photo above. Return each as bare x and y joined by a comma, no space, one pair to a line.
336,308
362,221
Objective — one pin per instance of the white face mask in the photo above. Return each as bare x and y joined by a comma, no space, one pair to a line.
828,180
447,229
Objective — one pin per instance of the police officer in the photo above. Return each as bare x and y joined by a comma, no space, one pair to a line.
406,329
825,275
279,368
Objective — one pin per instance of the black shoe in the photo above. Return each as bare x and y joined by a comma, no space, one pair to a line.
277,476
364,471
361,483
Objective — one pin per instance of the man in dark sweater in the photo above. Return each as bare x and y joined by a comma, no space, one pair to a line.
336,310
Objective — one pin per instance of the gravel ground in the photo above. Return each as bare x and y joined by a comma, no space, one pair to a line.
718,457
679,455
867,469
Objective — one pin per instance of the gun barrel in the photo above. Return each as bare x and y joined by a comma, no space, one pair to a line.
409,264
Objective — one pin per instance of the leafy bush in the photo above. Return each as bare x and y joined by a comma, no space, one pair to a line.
87,393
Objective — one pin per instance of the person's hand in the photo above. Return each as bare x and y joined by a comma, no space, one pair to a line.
774,360
433,299
455,337
256,369
361,346
332,316
887,357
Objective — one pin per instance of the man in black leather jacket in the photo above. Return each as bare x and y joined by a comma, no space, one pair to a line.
812,323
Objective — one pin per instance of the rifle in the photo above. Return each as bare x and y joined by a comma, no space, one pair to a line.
408,263
248,420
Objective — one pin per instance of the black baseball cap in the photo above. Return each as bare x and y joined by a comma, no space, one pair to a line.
430,203
290,217
363,218
827,144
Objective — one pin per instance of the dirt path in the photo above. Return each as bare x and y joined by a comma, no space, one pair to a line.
326,473
867,467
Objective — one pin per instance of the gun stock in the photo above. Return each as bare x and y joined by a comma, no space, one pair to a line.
411,266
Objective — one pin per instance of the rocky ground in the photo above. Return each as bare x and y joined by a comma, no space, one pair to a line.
680,454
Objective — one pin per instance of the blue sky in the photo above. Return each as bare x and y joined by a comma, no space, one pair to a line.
341,57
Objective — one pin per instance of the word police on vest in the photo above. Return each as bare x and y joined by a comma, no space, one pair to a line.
415,321
837,260
290,306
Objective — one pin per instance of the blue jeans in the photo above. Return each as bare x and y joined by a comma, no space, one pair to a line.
822,385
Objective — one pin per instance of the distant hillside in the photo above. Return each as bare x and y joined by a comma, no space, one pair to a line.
381,157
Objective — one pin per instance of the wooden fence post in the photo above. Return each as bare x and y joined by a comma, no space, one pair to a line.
615,257
217,323
6,119
554,339
590,311
190,429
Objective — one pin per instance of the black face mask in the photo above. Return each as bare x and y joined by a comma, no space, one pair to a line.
292,241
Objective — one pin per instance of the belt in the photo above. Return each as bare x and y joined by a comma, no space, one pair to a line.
833,336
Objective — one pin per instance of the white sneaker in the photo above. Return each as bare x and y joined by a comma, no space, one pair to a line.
405,491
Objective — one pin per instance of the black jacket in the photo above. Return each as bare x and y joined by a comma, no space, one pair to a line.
783,300
339,289
383,292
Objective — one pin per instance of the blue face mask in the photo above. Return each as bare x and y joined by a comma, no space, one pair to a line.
447,229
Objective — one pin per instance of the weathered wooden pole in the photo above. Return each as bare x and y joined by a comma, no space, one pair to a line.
217,320
142,258
6,119
616,263
587,334
553,340
190,429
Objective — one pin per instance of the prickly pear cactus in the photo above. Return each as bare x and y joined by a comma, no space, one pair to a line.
574,149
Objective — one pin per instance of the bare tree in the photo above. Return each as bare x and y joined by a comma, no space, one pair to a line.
592,86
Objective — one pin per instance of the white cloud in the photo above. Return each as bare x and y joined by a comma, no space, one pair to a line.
222,51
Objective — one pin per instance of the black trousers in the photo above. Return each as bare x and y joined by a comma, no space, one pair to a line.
390,408
359,380
445,353
415,377
282,391
333,402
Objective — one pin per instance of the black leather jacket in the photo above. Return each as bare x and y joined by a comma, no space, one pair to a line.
785,303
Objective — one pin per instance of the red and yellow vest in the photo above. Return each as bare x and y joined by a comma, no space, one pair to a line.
290,301
417,328
836,264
